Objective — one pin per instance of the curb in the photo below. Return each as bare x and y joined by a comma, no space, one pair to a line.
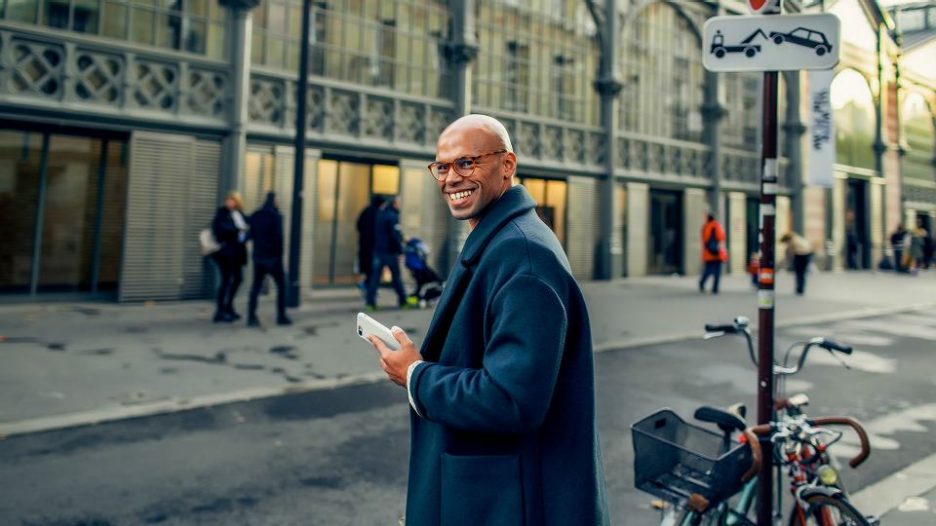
111,414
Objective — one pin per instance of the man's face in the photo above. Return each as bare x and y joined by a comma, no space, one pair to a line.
468,195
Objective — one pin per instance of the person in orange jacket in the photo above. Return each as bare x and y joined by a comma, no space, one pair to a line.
713,252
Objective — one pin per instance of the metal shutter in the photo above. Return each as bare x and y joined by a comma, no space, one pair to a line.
694,207
638,219
154,243
582,229
737,221
202,191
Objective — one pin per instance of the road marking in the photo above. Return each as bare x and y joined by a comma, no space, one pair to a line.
110,414
889,493
868,312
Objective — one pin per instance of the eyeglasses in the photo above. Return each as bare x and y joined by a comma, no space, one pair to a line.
463,166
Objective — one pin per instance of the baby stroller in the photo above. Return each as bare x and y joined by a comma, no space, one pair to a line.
428,283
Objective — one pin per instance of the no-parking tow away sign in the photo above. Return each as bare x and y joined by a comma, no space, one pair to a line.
771,43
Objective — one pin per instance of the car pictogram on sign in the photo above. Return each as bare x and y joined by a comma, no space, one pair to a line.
804,37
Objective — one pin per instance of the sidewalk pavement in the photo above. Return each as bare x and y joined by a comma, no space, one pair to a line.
914,511
64,364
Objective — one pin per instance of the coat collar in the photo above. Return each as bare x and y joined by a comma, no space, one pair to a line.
514,202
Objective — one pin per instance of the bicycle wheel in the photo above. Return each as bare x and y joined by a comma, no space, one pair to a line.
822,510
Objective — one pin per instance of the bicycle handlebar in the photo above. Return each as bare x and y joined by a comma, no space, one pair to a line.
852,423
835,346
713,327
756,455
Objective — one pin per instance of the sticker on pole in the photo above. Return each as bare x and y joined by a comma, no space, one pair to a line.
771,43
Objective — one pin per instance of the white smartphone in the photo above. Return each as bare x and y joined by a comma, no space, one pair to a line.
367,326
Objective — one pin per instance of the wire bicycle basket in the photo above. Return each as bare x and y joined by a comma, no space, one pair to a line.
674,459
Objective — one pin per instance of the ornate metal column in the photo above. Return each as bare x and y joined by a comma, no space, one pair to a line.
239,39
460,50
610,253
793,130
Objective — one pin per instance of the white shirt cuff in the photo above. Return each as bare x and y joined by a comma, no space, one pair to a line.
409,393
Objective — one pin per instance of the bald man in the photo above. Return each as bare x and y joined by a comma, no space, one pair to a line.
502,392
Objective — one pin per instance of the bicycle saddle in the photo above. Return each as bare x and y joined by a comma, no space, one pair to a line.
725,420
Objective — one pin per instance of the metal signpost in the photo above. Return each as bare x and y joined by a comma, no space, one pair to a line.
293,284
769,44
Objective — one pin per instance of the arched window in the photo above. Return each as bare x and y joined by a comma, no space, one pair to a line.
537,58
853,110
920,138
662,73
392,44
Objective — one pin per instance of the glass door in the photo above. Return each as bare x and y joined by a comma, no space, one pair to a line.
62,204
20,160
665,256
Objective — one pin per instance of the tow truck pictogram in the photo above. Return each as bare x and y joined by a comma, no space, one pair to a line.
747,46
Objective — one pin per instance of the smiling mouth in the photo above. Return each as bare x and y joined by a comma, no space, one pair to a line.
458,196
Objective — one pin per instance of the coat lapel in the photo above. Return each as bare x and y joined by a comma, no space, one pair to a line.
513,203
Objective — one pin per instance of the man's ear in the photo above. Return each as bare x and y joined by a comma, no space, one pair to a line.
510,165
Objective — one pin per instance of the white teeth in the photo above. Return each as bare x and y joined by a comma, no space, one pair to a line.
460,195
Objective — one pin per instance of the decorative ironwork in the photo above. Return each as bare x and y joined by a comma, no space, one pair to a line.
155,84
575,146
315,108
99,77
552,146
378,118
439,119
411,125
595,150
265,105
207,91
528,140
342,115
37,68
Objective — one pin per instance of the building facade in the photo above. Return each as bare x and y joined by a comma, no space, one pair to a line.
123,122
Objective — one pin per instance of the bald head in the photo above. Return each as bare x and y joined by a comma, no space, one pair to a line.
484,124
478,150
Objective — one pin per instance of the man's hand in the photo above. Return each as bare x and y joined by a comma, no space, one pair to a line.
396,363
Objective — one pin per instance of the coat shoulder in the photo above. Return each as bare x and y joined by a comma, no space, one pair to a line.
527,245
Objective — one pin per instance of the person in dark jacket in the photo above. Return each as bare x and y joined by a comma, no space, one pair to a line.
365,229
230,231
388,245
897,240
502,392
266,231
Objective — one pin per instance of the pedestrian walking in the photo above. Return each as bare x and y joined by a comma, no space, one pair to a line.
266,232
713,252
915,250
502,395
388,246
365,229
897,240
230,230
799,249
928,248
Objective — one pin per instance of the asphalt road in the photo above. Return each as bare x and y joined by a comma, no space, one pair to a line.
340,457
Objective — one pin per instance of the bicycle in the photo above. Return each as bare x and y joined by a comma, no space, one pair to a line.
701,496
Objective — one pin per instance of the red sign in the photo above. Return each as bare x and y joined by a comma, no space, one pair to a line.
764,7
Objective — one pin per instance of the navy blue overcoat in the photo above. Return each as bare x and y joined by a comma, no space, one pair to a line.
504,431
